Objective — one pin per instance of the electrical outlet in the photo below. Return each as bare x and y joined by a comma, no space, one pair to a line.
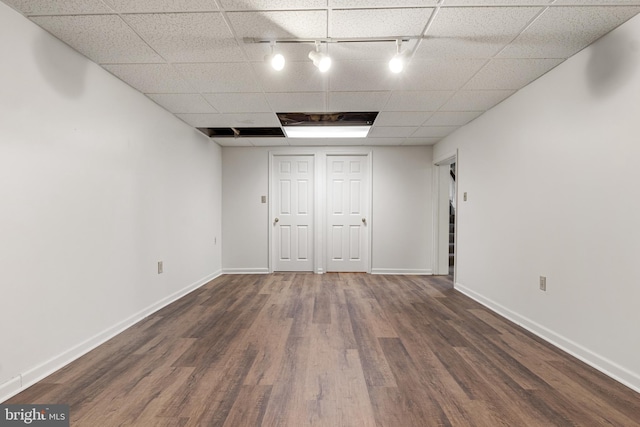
160,267
263,199
543,283
464,196
215,240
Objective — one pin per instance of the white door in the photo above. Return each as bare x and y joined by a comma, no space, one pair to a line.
347,217
292,213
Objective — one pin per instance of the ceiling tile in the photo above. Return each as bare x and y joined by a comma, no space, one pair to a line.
183,103
272,4
597,2
562,31
233,142
510,73
238,102
498,2
219,77
357,101
296,77
281,24
371,51
102,38
474,31
457,118
269,142
421,141
433,131
231,120
59,7
417,100
476,100
391,132
154,6
151,78
405,118
366,4
188,37
439,73
384,141
297,102
379,22
362,76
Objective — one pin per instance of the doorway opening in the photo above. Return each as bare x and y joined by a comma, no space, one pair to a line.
445,179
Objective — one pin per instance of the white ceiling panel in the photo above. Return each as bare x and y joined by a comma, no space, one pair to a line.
151,78
188,37
296,77
269,142
562,31
597,2
366,4
285,24
457,118
433,131
439,73
497,2
417,100
233,142
272,4
357,101
404,118
379,22
183,102
297,102
421,141
58,7
219,77
102,38
362,76
474,31
231,120
238,102
476,100
384,141
371,51
510,73
391,132
156,6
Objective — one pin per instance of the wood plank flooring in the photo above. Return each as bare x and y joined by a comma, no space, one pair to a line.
331,350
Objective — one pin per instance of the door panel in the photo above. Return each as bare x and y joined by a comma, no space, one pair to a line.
347,216
292,184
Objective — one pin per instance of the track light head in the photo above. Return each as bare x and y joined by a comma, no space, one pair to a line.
396,64
276,60
320,60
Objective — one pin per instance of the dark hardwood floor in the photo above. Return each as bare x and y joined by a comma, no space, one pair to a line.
331,350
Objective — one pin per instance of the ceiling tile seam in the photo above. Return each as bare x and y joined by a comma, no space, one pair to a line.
528,25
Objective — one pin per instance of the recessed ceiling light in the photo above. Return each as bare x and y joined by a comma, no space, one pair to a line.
326,131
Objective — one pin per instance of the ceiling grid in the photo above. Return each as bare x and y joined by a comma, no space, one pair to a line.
195,58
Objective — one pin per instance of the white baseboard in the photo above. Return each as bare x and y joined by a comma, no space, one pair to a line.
402,271
245,271
37,373
602,364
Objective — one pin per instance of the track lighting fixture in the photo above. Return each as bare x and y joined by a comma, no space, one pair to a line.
396,64
320,60
276,60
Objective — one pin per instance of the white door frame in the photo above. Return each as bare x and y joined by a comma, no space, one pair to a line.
271,207
438,251
349,151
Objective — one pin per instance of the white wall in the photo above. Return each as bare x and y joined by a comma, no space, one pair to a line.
552,181
97,184
401,218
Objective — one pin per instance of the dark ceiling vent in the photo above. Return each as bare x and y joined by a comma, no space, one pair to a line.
242,132
328,119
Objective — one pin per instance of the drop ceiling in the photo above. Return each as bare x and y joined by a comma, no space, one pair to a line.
194,57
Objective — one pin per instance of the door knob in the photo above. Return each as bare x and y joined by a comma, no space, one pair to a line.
276,220
364,220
